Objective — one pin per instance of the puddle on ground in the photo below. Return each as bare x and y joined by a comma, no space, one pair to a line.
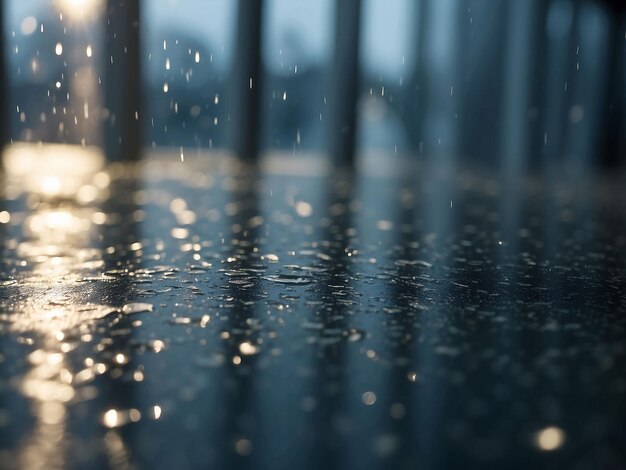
178,312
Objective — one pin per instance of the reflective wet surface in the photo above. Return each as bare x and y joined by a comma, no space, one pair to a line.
210,314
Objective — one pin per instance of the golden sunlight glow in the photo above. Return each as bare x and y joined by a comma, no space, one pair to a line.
79,9
59,184
53,170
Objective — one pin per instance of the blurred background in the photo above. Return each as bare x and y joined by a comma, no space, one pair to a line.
522,83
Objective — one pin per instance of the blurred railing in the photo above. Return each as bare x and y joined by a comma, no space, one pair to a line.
535,83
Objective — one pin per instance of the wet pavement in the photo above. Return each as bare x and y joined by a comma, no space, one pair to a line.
207,314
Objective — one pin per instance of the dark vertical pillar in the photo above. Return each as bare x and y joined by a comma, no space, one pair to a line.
415,94
524,62
614,151
482,56
344,86
443,76
4,82
246,80
436,90
560,47
122,77
589,87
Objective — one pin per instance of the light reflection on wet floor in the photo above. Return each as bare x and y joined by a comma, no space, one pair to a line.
200,315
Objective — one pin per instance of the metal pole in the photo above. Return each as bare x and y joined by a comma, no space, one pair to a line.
344,84
247,80
122,134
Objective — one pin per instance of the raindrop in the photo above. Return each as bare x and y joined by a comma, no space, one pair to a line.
289,279
368,398
137,307
248,349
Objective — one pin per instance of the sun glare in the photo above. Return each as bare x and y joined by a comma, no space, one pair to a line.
79,9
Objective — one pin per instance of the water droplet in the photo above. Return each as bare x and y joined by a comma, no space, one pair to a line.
550,438
368,398
289,279
248,349
137,307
